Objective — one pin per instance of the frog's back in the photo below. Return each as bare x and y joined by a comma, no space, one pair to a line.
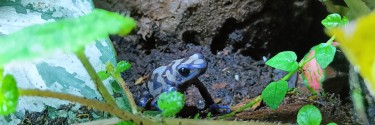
156,83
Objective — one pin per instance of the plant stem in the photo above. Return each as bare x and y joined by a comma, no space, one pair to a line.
287,76
94,77
303,61
127,92
330,41
88,102
256,100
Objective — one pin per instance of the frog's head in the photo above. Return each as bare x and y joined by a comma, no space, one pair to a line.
189,68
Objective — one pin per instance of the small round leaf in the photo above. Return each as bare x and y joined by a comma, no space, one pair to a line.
122,66
309,115
170,103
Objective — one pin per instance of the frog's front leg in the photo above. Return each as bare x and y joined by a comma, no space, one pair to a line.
209,101
144,100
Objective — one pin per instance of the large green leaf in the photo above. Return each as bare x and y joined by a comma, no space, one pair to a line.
67,34
274,93
284,61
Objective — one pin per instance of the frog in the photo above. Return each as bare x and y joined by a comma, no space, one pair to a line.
178,76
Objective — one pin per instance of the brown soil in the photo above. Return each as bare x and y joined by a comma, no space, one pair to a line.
234,37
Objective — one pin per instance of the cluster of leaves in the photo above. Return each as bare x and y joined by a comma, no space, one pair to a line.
318,58
110,70
357,42
312,65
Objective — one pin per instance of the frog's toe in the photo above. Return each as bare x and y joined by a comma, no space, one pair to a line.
142,102
154,104
217,108
227,108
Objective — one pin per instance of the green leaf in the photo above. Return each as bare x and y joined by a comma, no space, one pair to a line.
309,115
332,123
103,75
274,93
324,54
116,87
122,66
123,103
152,113
65,34
196,116
334,20
126,123
8,95
284,61
170,103
209,115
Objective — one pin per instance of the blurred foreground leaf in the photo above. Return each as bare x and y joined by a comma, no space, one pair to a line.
66,35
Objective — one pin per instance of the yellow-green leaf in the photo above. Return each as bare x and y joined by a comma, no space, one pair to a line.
8,94
357,41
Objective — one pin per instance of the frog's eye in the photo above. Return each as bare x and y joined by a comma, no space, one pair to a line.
184,71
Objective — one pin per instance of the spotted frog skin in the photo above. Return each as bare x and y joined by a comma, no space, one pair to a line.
177,76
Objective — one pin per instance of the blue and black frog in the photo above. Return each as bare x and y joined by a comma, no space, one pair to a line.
178,76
